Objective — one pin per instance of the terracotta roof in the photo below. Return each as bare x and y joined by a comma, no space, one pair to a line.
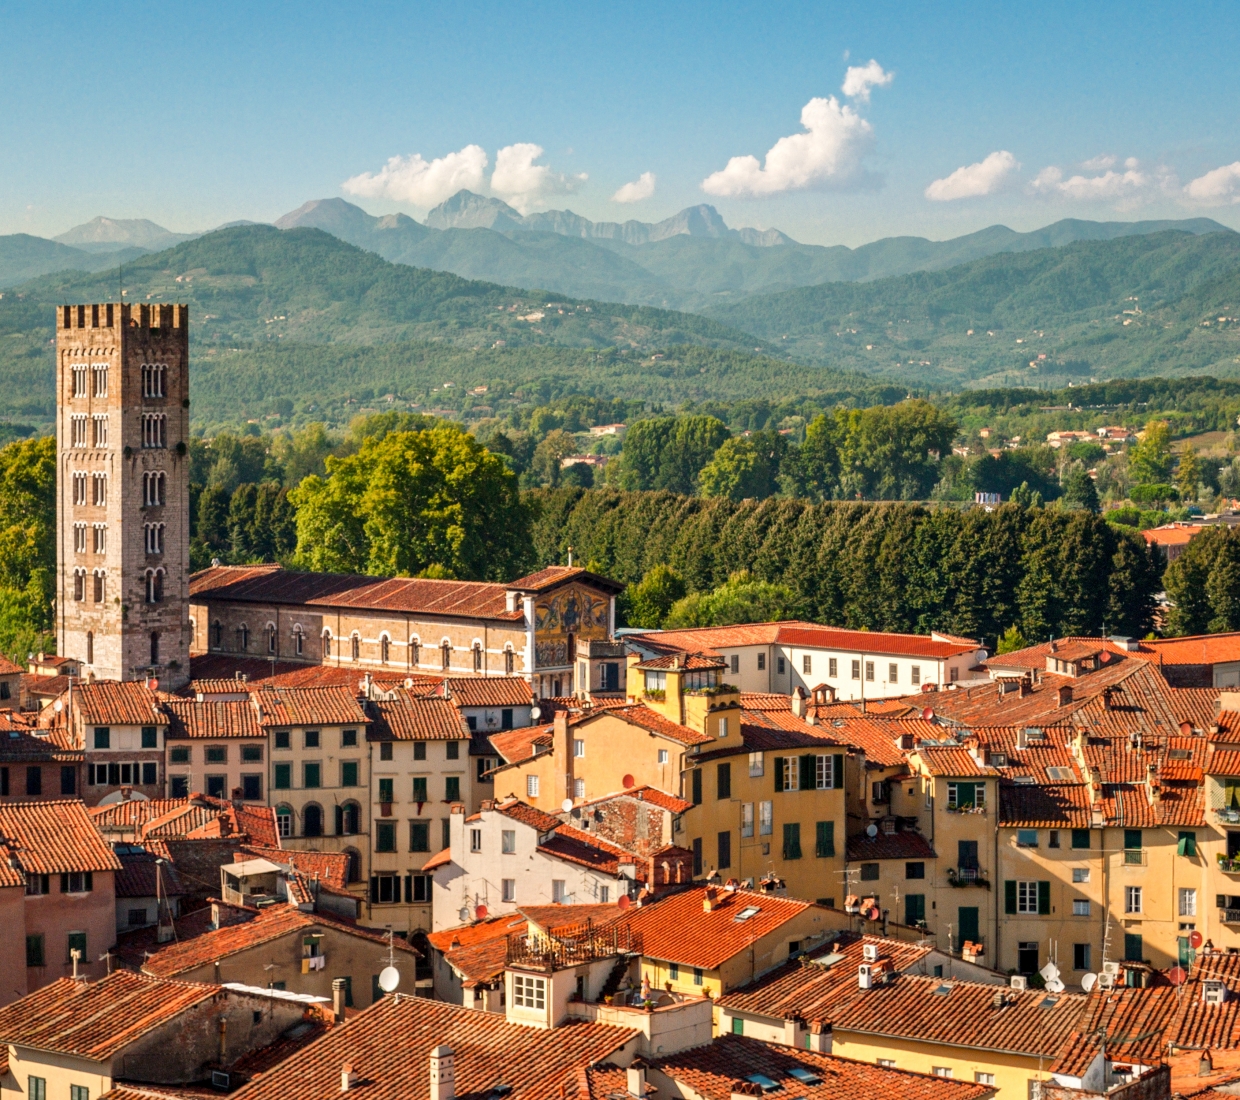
676,929
638,714
478,952
687,662
118,703
553,917
223,667
20,744
410,717
330,868
419,596
132,813
327,706
798,989
1199,1026
234,718
554,575
522,743
97,1020
8,668
527,815
1134,1021
55,836
873,708
1170,535
711,1072
1044,806
900,845
468,935
1196,649
439,859
389,1046
270,924
951,760
588,850
645,793
44,687
803,635
490,691
141,876
1034,656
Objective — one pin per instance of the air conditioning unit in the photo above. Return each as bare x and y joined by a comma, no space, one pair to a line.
865,976
1110,967
1019,983
1213,992
869,952
1106,981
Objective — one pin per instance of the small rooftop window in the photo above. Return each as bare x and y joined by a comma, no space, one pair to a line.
1049,1002
1024,780
747,912
804,1076
1179,754
942,990
762,1079
1059,775
1033,733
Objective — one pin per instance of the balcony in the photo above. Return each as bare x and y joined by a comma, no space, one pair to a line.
1227,815
1229,916
571,946
1134,857
967,876
965,808
1228,866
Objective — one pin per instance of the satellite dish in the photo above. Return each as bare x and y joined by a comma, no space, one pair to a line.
623,902
1055,986
58,706
871,830
389,979
1195,939
927,713
1050,972
152,684
1088,982
535,713
873,914
480,913
628,781
567,805
1177,975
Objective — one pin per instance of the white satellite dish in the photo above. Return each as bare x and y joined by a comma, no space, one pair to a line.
389,979
1055,986
871,830
567,805
1088,982
535,713
1049,972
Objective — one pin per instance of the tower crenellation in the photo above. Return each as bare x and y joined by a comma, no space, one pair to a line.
122,489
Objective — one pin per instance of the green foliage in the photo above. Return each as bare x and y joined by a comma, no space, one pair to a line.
745,467
1011,641
27,546
1203,583
413,500
669,452
1086,452
1153,494
1149,461
1004,473
646,603
1025,496
1079,490
740,599
545,464
1188,474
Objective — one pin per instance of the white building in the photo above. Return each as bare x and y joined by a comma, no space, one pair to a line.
858,664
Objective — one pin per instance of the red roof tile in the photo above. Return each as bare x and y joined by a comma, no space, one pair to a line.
520,744
192,719
1044,806
327,706
802,635
900,845
55,836
409,717
554,575
951,760
670,802
118,703
527,815
141,876
687,662
490,691
638,714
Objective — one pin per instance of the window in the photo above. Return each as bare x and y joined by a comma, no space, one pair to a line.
475,840
153,486
755,764
98,577
252,788
829,772
103,737
299,641
384,649
154,586
885,1063
915,675
153,379
100,423
869,671
969,796
37,885
664,755
579,788
1052,838
1080,839
1080,874
68,780
452,788
1080,907
34,951
697,855
312,739
312,775
724,850
579,747
531,786
559,894
252,754
1026,838
780,665
79,380
1187,845
34,779
99,484
761,662
746,819
154,431
150,737
529,992
673,971
419,789
283,739
787,773
419,751
446,650
284,816
695,786
869,872
1027,896
893,674
1188,902
697,975
509,889
348,775
101,538
477,654
833,667
385,836
1132,848
283,778
179,788
419,836
76,941
807,664
505,722
824,839
385,750
217,754
508,841
385,790
856,670
1134,948
941,1071
1132,899
79,538
766,818
723,781
983,1078
36,1088
150,774
79,584
384,889
453,750
915,870
312,820
79,488
1081,956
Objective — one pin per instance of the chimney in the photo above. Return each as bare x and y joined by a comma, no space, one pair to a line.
348,1078
223,1052
1107,701
637,1078
338,987
510,601
798,702
443,1076
1205,1066
710,899
562,757
1063,696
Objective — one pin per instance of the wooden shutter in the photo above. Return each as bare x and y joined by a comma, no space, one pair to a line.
1009,895
837,772
808,762
697,786
779,773
1044,898
825,841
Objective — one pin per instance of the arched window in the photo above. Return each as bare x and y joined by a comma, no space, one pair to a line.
415,651
154,647
385,646
299,641
509,660
271,637
217,635
79,584
312,820
327,643
243,637
99,593
446,648
154,586
90,647
477,657
355,646
354,871
284,820
348,815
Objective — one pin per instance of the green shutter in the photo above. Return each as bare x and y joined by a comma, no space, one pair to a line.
825,841
697,786
1132,840
1009,895
807,772
1187,845
837,772
779,773
1044,899
914,908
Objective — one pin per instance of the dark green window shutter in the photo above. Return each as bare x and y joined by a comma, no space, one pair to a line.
1134,948
1044,898
914,908
792,840
1080,838
697,786
779,773
825,842
1132,839
738,1026
1009,895
1188,844
807,773
837,772
724,780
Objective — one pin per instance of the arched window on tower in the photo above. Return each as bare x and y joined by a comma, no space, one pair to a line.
446,650
217,635
327,643
271,638
243,638
509,660
415,651
477,657
98,579
385,646
299,640
355,646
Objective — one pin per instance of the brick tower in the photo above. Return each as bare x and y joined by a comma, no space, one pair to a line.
122,490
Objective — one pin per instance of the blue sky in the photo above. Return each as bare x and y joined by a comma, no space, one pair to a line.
197,114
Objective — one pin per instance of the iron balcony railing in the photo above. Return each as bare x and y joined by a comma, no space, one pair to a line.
1229,916
571,945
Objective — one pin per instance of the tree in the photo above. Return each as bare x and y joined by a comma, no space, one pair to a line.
555,447
741,599
27,546
668,452
1011,641
1149,460
1079,490
412,500
1188,474
1136,574
1026,497
745,467
647,603
1186,582
818,461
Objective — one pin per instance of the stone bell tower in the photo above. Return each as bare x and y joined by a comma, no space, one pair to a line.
122,490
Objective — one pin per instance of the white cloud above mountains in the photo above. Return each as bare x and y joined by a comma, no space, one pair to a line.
1132,184
859,79
1219,187
637,190
975,180
415,181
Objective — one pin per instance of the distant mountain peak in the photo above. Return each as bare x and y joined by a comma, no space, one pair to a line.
467,210
107,234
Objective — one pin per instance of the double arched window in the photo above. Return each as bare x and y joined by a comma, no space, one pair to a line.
348,815
154,586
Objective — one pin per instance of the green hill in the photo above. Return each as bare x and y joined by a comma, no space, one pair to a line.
1130,307
23,257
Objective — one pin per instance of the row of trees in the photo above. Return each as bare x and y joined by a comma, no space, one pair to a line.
870,566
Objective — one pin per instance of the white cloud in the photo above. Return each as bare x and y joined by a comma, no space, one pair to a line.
423,183
983,178
1219,187
1109,185
829,152
1099,163
524,184
639,189
861,78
